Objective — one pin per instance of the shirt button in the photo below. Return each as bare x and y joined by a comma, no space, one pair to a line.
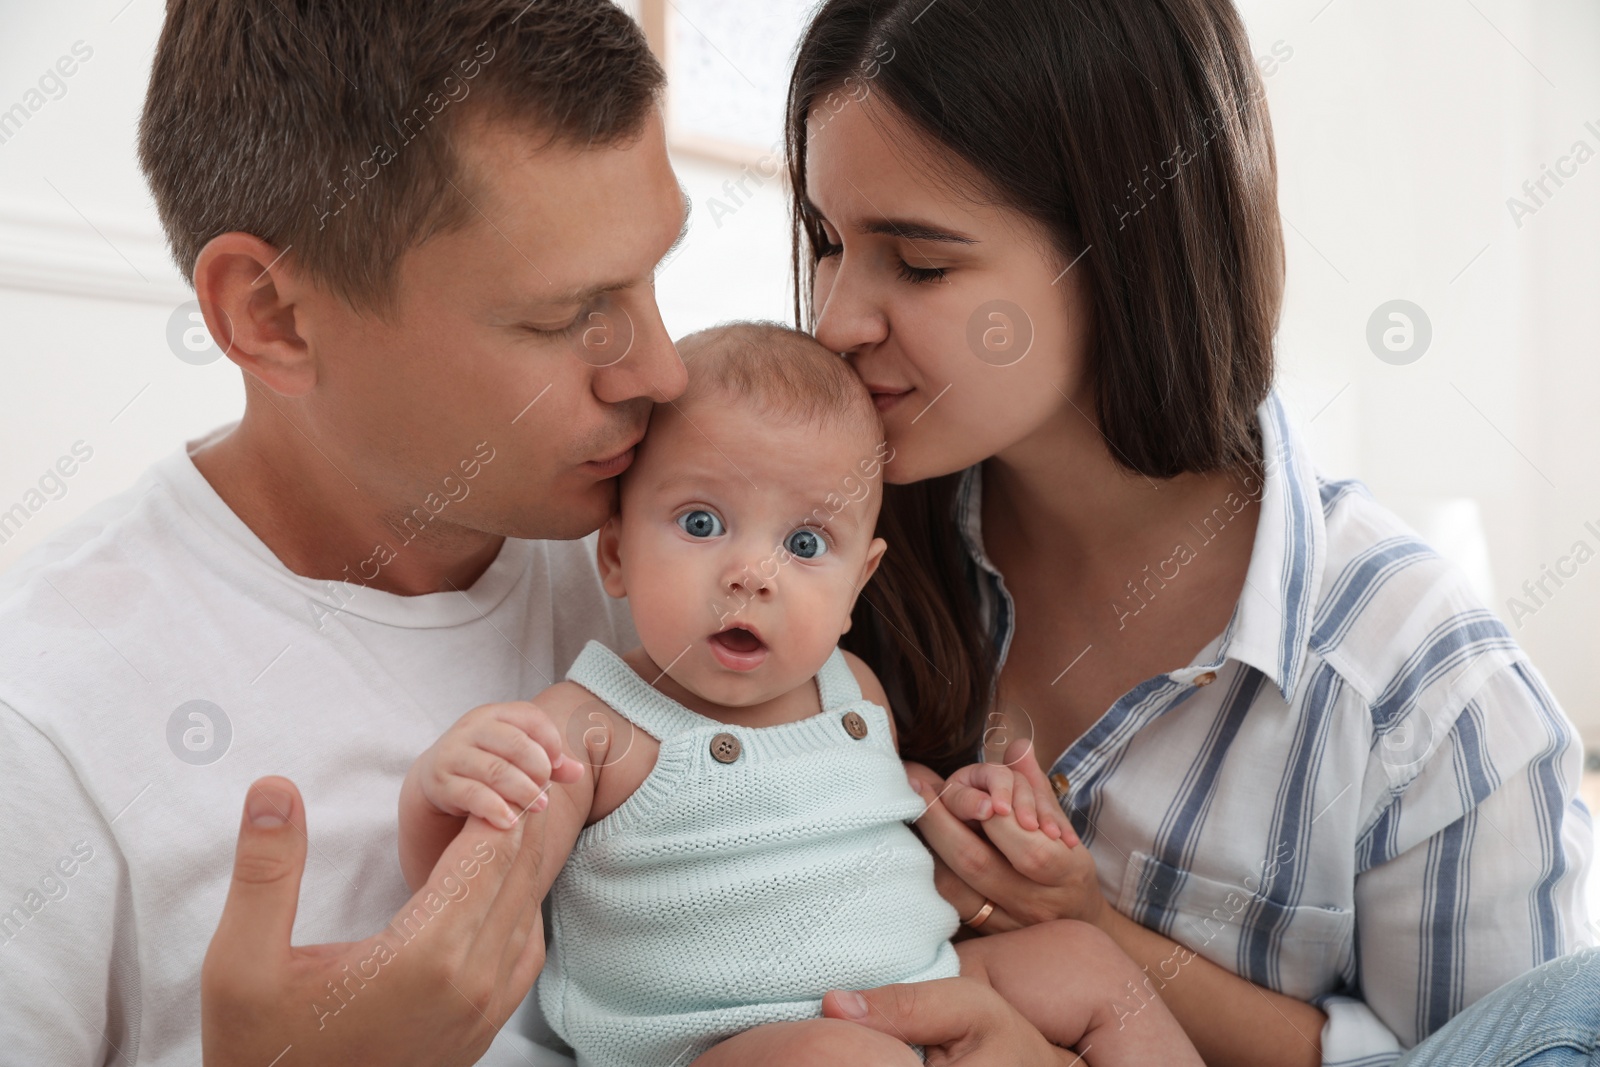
1205,679
725,748
854,725
1061,786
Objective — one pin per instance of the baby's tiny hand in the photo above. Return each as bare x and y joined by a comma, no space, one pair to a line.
496,762
980,791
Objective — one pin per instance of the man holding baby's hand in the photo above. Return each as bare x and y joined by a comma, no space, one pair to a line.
420,229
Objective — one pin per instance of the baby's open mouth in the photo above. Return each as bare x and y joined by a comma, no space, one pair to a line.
737,639
738,648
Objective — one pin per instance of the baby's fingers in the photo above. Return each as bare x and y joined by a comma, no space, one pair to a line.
534,723
1038,812
481,783
965,802
1020,757
979,790
1053,820
512,744
1023,804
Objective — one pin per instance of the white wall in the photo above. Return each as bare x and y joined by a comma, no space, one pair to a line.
85,285
1401,131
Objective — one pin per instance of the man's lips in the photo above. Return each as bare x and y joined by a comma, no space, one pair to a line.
615,463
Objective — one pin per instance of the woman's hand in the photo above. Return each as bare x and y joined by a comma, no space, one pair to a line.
959,1020
1027,875
1031,879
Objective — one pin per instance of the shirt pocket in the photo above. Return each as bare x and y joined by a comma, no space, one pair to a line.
1298,950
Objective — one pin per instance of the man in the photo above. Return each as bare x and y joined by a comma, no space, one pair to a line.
426,232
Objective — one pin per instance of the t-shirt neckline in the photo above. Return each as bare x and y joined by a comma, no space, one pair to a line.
333,597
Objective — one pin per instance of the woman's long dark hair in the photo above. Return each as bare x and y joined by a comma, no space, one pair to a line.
1136,134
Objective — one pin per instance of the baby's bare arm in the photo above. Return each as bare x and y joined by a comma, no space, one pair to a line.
1072,982
500,762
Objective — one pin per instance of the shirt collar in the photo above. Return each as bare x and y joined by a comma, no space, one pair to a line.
1271,625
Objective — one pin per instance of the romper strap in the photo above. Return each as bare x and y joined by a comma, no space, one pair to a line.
608,676
836,683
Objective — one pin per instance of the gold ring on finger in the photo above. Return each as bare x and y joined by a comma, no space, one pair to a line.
981,917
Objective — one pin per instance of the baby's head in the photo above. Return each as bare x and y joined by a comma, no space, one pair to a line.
745,524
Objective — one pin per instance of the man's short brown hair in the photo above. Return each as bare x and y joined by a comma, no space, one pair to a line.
322,126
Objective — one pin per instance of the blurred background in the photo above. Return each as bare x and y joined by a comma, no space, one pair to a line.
1440,191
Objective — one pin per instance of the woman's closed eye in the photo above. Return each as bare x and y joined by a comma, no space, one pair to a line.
920,275
827,242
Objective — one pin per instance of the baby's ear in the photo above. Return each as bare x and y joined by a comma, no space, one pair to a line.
875,553
608,554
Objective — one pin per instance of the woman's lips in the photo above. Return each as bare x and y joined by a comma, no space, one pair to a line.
885,399
737,649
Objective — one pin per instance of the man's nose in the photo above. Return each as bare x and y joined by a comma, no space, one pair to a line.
632,353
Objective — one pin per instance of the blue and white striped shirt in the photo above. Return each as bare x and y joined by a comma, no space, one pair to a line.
1361,794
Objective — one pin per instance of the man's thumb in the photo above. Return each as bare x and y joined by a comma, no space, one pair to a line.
267,865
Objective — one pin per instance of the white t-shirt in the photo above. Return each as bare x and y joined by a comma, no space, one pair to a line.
155,658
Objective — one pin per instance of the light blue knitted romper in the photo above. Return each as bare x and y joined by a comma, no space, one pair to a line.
720,896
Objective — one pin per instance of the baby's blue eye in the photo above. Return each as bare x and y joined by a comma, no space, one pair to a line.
806,544
699,523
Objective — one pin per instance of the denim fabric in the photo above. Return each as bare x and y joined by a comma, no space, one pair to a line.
1550,1017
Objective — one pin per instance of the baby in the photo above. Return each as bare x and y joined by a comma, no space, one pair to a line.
725,813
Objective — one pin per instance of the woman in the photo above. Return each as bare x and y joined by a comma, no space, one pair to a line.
1327,802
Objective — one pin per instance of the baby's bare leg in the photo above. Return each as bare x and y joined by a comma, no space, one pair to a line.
811,1043
1071,981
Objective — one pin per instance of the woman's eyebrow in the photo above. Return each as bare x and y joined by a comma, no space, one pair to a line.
913,230
908,229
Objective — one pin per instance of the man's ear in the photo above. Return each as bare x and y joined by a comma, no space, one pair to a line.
875,553
608,553
248,294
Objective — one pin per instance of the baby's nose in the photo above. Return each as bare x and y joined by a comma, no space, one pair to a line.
756,576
